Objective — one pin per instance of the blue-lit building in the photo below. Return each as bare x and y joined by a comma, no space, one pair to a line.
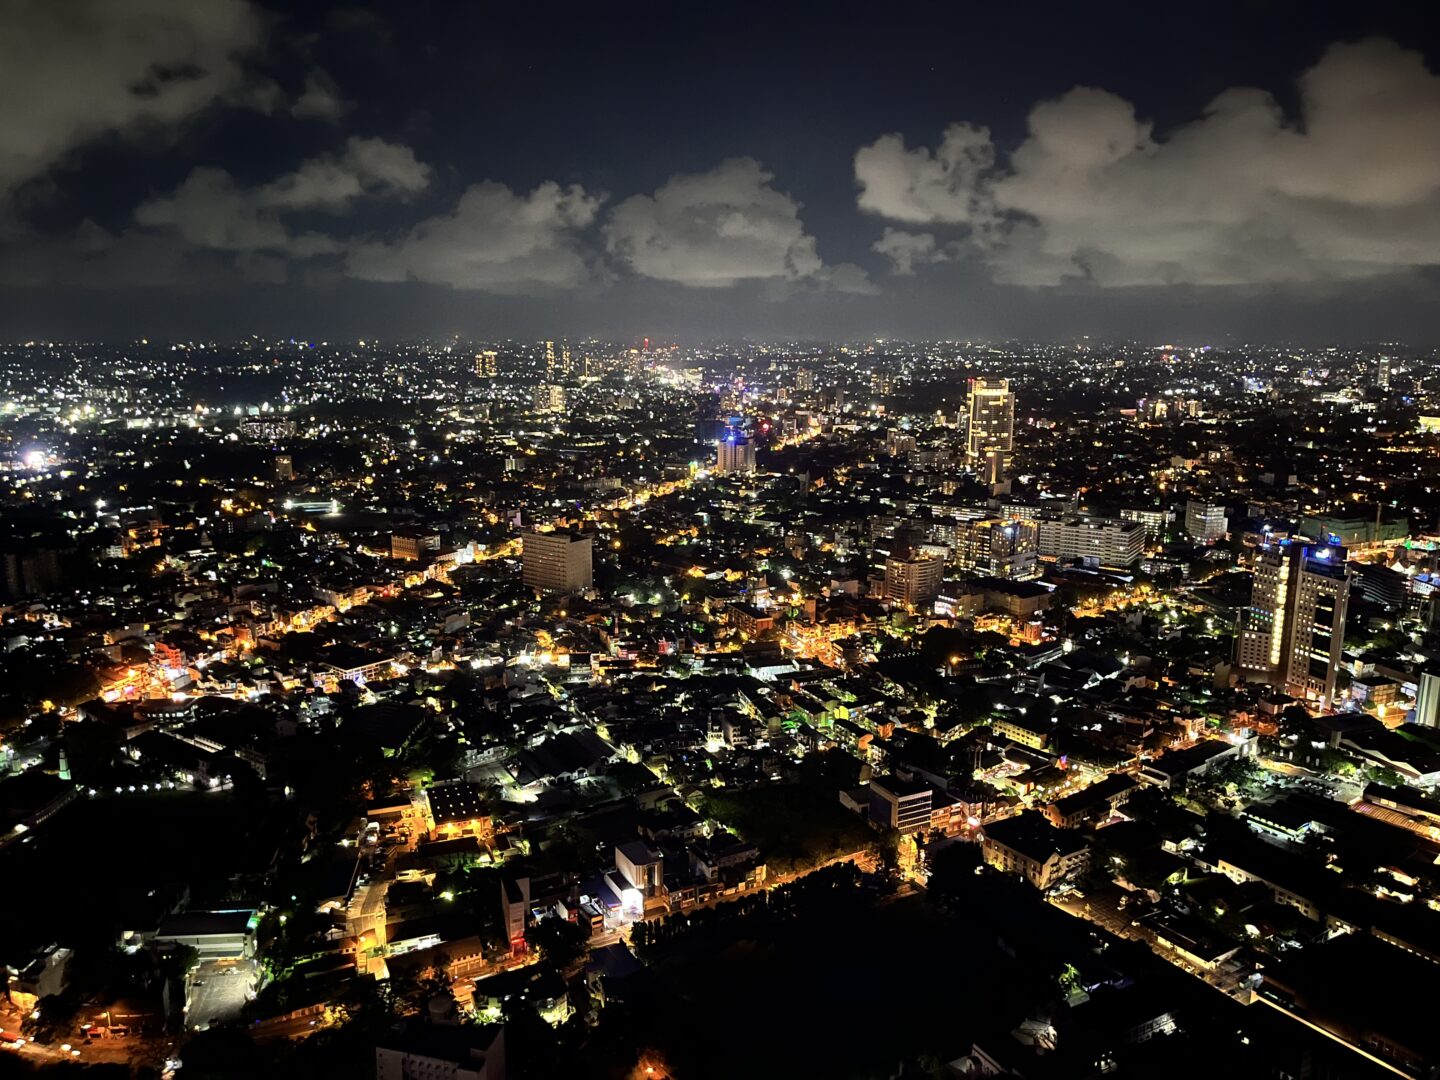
1292,634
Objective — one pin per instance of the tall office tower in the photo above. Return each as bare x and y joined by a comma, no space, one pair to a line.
549,398
1382,372
1292,634
734,453
556,562
284,468
990,437
1205,522
487,364
565,360
913,580
549,361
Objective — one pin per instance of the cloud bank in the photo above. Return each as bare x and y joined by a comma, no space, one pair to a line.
720,228
1244,195
74,70
494,240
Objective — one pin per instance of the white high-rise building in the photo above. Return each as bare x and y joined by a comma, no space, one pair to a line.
1110,543
557,562
734,454
1293,633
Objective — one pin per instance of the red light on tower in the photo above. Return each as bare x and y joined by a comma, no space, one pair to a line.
645,344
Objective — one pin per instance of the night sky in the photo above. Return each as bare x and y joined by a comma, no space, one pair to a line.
213,168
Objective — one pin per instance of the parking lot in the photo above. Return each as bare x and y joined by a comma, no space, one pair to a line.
1103,906
218,991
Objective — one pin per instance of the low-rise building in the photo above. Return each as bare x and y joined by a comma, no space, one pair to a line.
904,805
420,1050
215,935
1029,846
1096,802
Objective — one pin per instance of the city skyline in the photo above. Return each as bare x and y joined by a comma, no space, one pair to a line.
663,542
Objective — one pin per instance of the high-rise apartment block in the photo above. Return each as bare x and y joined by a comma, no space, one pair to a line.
550,398
487,364
913,580
734,454
1293,632
990,437
997,548
557,562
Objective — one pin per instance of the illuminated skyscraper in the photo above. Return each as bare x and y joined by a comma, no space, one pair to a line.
913,580
734,454
549,398
1293,632
565,361
487,364
549,361
998,548
990,437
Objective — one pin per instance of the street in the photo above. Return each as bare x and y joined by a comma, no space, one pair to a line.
218,991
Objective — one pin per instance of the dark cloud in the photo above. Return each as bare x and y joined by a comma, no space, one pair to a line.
435,156
907,250
320,100
211,210
74,70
